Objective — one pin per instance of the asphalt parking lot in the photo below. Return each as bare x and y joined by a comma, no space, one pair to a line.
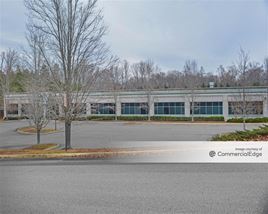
96,187
87,134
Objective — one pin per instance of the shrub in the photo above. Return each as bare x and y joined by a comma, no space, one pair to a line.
170,118
16,118
144,118
242,135
173,118
249,120
212,118
100,118
132,118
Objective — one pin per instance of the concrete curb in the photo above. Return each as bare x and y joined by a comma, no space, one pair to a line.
29,133
184,123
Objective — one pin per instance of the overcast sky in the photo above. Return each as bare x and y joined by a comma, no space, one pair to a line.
168,32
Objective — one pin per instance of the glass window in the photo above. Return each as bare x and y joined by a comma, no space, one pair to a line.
134,108
250,108
79,108
25,108
12,109
167,108
102,108
207,108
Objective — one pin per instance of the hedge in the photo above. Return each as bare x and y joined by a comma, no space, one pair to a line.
138,118
173,118
249,120
212,118
102,118
132,118
170,118
16,118
242,135
155,118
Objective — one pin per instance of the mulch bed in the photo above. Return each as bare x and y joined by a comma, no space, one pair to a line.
32,130
261,138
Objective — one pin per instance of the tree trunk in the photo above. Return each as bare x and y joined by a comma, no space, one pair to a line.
38,135
244,123
67,135
192,106
244,110
115,110
115,107
55,124
149,109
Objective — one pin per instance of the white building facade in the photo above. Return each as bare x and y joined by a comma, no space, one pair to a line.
173,102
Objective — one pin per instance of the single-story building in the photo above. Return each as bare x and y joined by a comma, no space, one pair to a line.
226,102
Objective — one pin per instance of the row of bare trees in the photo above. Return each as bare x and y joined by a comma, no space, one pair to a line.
141,75
134,76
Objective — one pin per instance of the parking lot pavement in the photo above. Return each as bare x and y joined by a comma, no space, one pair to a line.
96,187
91,134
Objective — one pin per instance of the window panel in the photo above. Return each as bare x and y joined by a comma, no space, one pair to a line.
102,108
13,109
134,108
207,108
251,108
25,108
169,108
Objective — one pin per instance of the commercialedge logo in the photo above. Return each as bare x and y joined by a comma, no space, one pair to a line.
235,154
212,153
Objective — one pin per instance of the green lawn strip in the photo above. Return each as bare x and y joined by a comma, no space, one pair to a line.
242,135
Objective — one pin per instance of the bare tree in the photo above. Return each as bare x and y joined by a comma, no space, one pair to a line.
191,82
266,76
38,110
115,75
125,74
73,32
149,68
2,76
9,61
38,107
266,70
241,67
142,73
